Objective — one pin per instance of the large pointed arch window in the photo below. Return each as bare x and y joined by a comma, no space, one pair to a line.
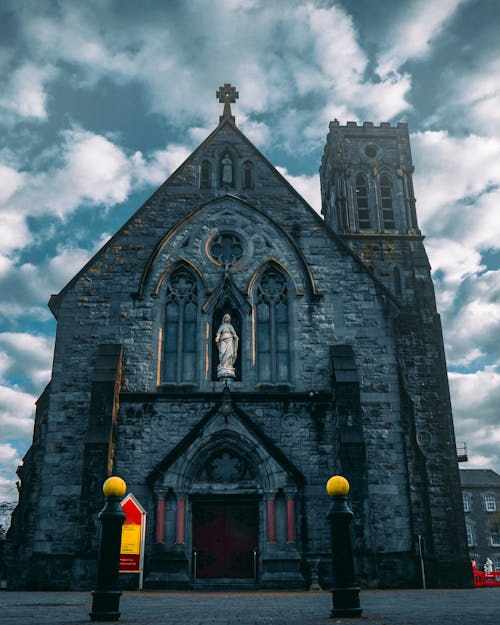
181,312
362,203
272,340
387,204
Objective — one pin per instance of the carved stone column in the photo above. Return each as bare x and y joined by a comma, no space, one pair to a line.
290,517
271,533
180,520
160,520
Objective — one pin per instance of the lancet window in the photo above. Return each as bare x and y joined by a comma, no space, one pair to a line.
272,340
248,175
205,175
179,345
362,203
387,204
398,290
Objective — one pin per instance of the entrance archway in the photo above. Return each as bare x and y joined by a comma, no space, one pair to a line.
234,496
225,537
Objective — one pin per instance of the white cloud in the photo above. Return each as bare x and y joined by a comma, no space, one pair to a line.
308,51
451,168
14,232
307,186
475,398
26,288
89,170
160,164
25,356
10,181
473,326
7,453
17,410
25,92
411,37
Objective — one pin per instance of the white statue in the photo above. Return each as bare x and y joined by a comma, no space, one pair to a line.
227,342
227,170
488,566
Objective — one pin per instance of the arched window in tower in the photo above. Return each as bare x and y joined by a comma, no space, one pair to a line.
386,201
179,346
272,340
205,175
248,175
362,202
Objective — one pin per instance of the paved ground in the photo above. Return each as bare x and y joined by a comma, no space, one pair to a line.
480,606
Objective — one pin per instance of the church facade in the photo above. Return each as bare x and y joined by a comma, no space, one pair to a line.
226,352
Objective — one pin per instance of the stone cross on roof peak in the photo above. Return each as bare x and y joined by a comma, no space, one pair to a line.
227,94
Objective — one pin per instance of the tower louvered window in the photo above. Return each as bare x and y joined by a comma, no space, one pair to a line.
362,203
179,346
387,204
273,357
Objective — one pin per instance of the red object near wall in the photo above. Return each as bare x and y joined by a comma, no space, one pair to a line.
485,579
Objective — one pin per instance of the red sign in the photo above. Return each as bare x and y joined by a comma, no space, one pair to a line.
133,532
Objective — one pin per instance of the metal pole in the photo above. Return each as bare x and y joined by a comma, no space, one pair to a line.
255,564
421,555
195,565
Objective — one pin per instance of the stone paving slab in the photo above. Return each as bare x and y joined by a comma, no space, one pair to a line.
479,606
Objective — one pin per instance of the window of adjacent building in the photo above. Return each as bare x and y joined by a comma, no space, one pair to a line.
179,343
490,503
272,340
496,564
466,503
205,175
386,202
362,202
495,534
470,538
248,175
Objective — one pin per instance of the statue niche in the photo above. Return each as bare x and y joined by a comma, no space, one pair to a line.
226,343
226,171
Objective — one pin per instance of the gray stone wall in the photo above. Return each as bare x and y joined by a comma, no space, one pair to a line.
335,299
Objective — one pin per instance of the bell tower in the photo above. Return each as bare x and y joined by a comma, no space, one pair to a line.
368,199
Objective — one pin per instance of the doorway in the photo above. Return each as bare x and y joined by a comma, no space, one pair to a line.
225,535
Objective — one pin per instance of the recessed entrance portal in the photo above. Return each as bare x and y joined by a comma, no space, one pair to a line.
225,534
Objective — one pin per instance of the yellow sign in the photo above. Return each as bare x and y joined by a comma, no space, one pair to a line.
131,539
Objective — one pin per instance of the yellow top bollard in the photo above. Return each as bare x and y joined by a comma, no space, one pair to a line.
114,487
337,486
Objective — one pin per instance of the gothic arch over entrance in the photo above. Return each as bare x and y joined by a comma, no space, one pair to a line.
235,505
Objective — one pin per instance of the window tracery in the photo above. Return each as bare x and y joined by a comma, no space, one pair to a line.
181,312
362,202
205,175
387,203
272,340
248,175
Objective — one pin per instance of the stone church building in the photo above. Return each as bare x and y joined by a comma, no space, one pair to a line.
338,367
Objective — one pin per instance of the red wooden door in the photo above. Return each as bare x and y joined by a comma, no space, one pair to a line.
225,533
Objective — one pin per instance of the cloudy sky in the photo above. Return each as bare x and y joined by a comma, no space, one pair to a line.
101,100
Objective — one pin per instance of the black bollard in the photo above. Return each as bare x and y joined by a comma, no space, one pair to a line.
345,592
106,596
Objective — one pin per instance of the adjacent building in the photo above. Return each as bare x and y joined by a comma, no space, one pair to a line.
338,367
481,501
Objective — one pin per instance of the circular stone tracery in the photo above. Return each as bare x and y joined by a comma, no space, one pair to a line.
225,249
